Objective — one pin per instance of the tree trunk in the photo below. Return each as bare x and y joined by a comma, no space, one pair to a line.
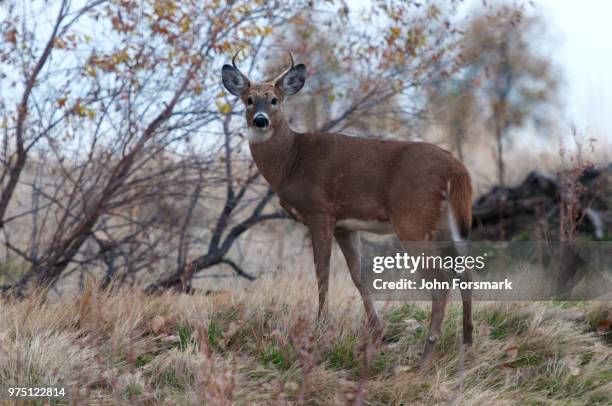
501,170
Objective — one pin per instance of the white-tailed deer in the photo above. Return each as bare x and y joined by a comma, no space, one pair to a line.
339,185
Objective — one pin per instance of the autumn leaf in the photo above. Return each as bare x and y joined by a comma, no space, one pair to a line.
59,43
266,31
121,57
512,353
11,36
61,101
395,32
158,325
90,71
79,110
185,24
224,108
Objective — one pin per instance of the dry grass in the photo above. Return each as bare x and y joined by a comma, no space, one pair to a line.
262,346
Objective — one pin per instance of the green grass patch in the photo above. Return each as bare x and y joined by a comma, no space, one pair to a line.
142,360
384,362
342,354
274,355
215,334
585,358
396,321
406,311
185,338
504,324
529,359
168,378
452,321
561,386
133,390
567,304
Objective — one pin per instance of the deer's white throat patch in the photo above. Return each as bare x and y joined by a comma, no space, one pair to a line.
256,136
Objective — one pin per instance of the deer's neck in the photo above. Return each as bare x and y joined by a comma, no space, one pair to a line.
274,157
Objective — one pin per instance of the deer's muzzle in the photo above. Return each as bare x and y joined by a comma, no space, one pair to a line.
261,121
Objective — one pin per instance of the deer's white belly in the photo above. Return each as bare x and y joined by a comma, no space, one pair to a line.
372,226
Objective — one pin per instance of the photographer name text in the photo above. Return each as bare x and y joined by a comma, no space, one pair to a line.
435,284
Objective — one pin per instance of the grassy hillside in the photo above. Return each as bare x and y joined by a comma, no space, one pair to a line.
262,346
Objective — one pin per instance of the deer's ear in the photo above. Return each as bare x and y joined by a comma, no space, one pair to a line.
292,81
234,81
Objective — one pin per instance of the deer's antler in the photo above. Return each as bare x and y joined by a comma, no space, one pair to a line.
246,78
234,60
279,77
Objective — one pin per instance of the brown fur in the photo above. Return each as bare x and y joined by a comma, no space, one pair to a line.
323,178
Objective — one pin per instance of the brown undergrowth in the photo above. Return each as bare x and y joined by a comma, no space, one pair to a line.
263,346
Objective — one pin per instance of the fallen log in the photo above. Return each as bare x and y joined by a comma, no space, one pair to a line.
513,212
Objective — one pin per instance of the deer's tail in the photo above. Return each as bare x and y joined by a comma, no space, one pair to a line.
460,205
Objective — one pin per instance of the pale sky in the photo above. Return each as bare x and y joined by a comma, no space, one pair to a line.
581,45
584,34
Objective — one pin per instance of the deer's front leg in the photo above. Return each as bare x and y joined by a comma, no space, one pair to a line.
350,245
321,232
291,211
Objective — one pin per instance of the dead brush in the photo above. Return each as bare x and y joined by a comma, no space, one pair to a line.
536,353
217,381
303,339
367,349
571,208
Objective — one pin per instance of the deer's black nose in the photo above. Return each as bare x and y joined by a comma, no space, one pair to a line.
260,121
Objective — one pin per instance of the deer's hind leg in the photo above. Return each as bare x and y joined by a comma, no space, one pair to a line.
417,234
439,298
466,297
456,249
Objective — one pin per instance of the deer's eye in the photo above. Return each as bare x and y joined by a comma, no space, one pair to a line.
274,101
250,101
